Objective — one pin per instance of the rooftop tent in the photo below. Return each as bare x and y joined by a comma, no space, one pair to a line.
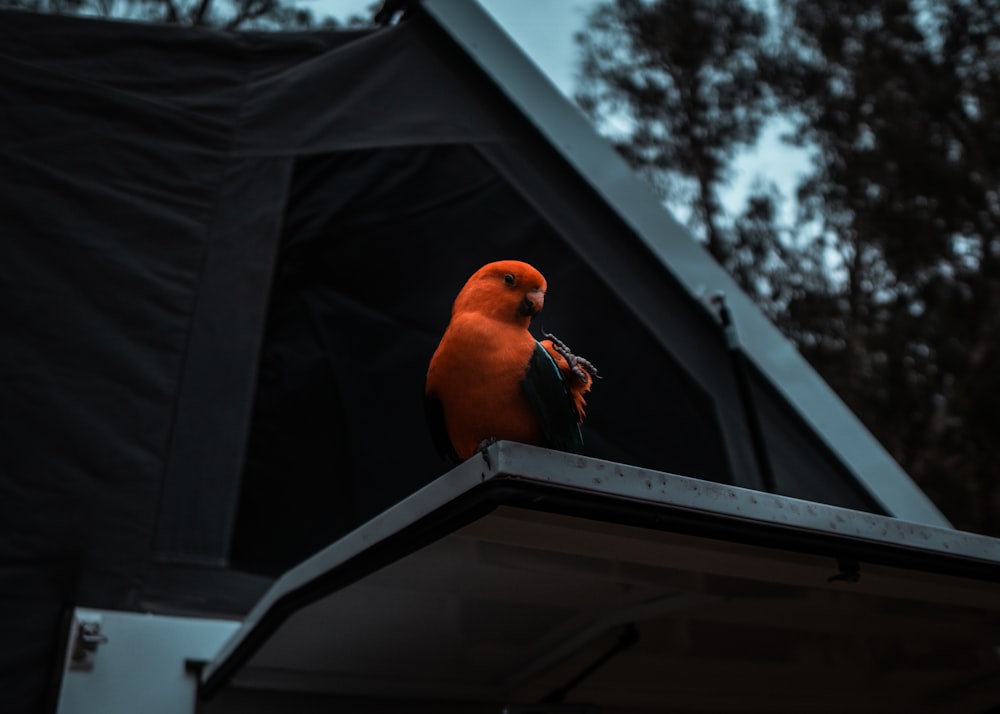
227,258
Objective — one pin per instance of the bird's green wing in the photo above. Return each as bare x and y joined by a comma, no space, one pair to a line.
434,412
549,396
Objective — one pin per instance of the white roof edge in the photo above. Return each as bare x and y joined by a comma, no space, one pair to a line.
569,132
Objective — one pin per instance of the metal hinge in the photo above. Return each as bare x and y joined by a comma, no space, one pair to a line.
87,638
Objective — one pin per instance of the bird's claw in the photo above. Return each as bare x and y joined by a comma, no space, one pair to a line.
582,368
484,449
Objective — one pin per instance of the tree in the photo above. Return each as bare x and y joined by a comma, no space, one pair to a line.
902,102
683,92
889,278
224,14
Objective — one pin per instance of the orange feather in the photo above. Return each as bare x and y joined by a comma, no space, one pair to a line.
477,369
577,386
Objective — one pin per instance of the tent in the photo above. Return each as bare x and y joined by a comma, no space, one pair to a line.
227,259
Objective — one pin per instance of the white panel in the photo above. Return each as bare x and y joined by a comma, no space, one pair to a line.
141,667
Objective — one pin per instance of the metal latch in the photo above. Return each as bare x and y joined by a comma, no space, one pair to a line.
87,638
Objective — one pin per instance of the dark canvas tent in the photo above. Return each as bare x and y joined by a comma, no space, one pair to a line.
226,260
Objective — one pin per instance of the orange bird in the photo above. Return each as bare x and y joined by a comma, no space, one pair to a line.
489,379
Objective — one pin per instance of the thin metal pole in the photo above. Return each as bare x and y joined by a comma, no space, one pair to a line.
750,413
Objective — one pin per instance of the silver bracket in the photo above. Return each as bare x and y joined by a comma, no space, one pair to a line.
87,638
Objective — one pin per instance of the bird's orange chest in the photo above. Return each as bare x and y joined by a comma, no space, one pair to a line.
477,373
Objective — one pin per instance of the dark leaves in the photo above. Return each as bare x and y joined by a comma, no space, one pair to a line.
226,14
888,277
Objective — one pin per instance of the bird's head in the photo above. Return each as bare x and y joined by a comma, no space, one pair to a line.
507,290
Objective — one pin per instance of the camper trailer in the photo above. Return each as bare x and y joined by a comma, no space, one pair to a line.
226,261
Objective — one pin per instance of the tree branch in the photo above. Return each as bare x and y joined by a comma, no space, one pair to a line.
251,10
172,14
200,12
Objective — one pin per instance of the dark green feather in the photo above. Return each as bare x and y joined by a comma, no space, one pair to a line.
549,396
434,411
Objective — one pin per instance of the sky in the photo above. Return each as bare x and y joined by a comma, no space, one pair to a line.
544,30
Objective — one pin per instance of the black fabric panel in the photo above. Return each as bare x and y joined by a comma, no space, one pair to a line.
297,492
103,195
803,466
195,590
403,85
113,142
216,389
34,599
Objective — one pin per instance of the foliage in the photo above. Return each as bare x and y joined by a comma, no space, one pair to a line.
688,85
224,14
889,275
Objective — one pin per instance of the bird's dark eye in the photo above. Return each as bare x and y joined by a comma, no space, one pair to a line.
509,279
